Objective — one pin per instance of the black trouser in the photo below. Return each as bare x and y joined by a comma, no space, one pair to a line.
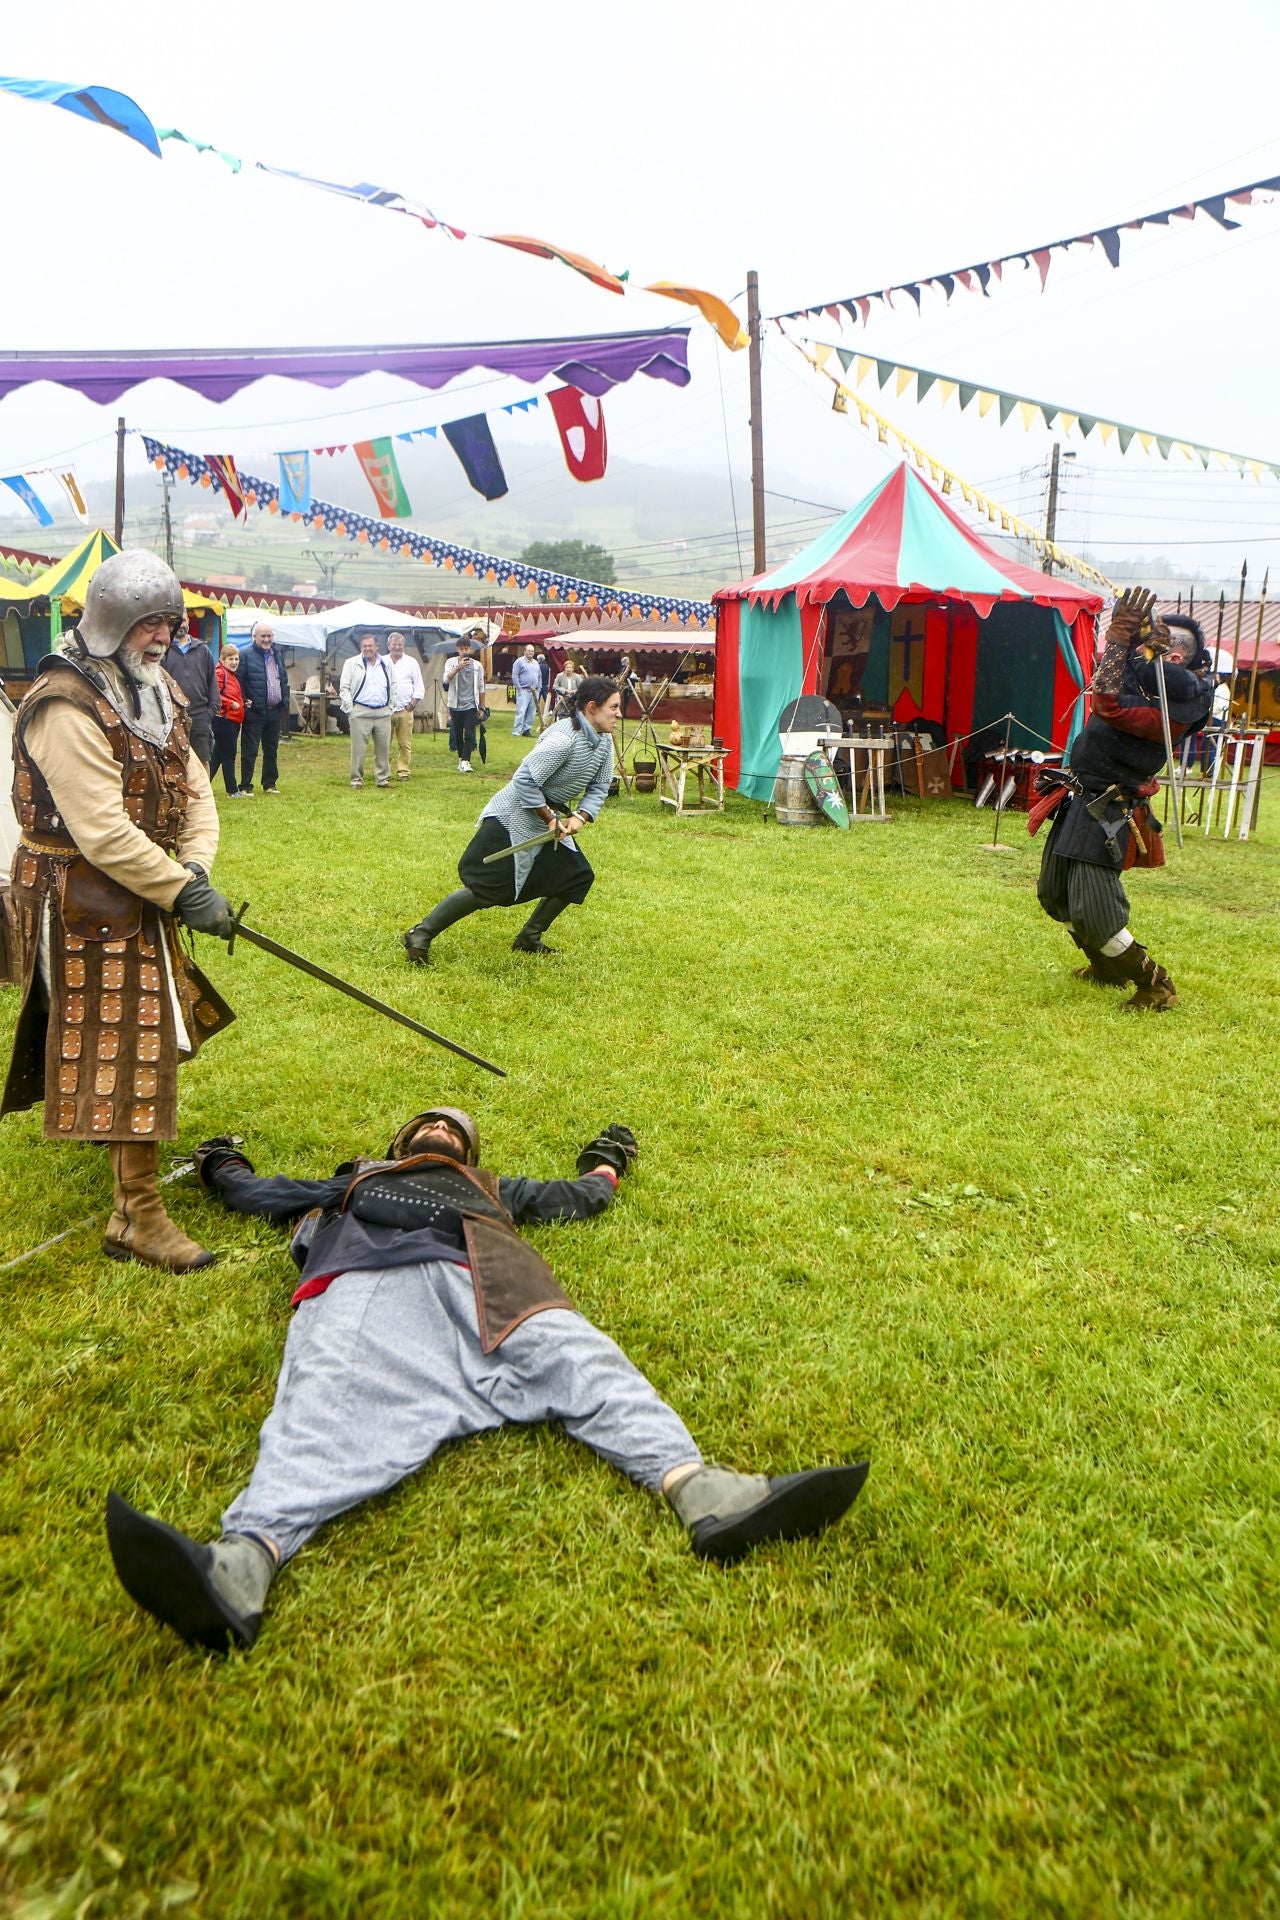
462,731
202,737
261,725
225,735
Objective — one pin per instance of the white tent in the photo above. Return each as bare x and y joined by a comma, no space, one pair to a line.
325,631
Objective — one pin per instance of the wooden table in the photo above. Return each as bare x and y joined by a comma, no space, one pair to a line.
675,764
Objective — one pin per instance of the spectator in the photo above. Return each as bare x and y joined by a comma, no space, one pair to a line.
264,682
464,696
226,725
407,690
565,685
367,692
527,681
190,663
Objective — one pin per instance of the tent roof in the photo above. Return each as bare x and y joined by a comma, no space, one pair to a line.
66,578
904,541
314,631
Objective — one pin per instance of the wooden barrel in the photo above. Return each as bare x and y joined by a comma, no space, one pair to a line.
794,805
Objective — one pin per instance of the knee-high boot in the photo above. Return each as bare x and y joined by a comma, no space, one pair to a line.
529,939
1102,970
140,1229
454,907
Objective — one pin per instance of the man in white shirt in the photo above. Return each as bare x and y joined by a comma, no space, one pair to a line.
407,690
464,695
367,693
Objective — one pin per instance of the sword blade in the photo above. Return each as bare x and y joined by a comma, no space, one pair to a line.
505,853
339,985
1174,782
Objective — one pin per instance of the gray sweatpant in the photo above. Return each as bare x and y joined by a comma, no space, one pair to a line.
384,1367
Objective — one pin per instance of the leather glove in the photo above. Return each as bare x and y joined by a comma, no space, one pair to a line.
616,1148
221,1151
202,907
1131,613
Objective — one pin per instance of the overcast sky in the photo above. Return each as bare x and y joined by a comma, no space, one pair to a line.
832,147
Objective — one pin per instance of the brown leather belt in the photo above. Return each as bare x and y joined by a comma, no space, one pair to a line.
34,844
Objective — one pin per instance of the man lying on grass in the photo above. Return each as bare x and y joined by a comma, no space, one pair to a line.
421,1317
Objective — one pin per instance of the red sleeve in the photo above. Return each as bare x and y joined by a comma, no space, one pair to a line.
1144,722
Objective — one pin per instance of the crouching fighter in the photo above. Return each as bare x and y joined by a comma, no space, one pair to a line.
1102,822
422,1317
118,833
500,867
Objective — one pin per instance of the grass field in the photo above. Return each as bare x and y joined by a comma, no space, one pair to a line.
905,1188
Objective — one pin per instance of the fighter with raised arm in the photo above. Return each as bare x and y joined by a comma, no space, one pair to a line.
1103,823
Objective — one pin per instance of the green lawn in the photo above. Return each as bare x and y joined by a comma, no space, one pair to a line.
905,1188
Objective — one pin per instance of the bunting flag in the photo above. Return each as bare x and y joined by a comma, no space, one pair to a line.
720,314
102,105
544,250
29,497
943,477
66,478
223,469
378,464
1030,412
580,421
295,482
1106,239
367,194
472,441
588,596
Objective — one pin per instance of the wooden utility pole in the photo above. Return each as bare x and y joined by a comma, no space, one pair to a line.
1051,509
168,522
757,428
119,521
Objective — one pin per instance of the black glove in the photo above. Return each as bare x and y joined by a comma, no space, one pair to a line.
221,1151
616,1147
201,906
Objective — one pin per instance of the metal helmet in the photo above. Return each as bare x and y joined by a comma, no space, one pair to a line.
130,586
400,1146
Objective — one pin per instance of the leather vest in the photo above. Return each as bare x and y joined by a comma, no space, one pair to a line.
511,1279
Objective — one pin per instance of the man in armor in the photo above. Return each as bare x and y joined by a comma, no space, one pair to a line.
422,1317
1103,823
118,833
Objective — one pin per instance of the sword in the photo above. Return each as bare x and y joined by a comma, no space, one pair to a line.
522,846
239,931
1174,780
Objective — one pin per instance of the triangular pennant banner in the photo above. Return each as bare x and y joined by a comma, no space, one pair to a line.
966,393
223,468
1007,405
29,497
66,478
845,356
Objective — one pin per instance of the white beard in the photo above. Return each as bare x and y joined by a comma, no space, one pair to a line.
146,672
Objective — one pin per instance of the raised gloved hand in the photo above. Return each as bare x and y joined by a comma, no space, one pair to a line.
616,1148
1131,613
221,1151
202,907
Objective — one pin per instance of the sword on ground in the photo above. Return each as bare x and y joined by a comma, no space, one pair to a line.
179,1171
239,931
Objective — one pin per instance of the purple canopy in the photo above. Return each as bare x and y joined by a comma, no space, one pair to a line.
593,365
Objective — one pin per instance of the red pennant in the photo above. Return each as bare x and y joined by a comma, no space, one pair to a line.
223,468
1041,258
580,420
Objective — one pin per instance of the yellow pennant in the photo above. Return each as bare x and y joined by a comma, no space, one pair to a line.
862,366
1027,412
905,376
946,388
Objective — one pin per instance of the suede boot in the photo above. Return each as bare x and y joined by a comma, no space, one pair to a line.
1155,993
728,1513
211,1596
140,1229
454,907
529,939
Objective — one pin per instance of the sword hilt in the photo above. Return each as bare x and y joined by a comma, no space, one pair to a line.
235,926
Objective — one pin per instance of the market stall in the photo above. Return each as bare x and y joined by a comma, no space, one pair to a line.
900,613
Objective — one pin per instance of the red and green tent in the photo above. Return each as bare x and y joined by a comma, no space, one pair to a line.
937,624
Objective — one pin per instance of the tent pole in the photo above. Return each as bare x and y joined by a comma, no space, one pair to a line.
757,427
119,519
1051,509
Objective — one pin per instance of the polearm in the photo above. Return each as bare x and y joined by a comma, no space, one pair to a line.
1174,782
239,931
1257,647
1212,800
1235,655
